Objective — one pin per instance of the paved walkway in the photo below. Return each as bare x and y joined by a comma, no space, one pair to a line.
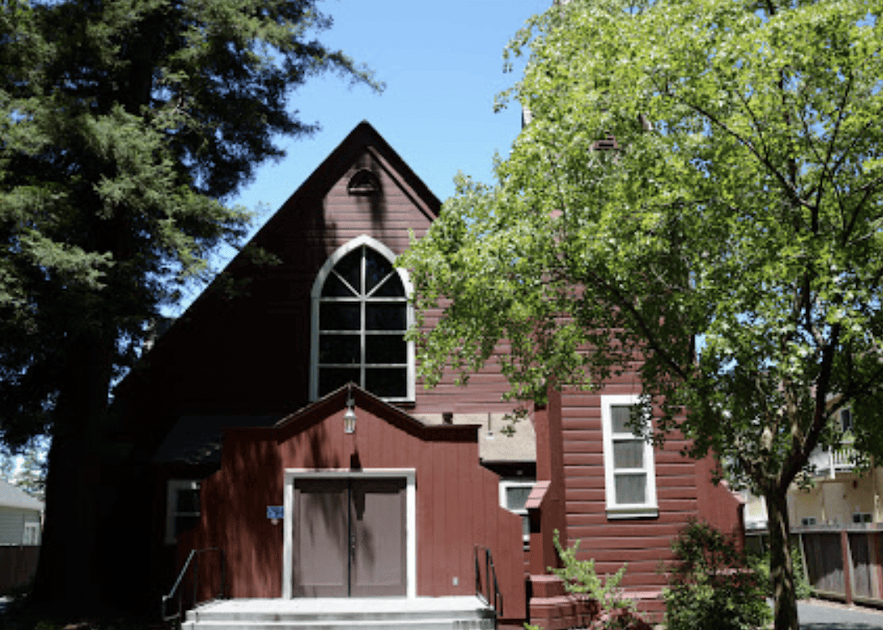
813,615
823,615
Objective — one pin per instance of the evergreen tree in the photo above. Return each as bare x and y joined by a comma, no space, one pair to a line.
32,475
125,125
7,464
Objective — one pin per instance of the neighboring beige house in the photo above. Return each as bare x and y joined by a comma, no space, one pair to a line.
839,496
20,516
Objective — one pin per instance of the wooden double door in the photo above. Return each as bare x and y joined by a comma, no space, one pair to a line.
349,537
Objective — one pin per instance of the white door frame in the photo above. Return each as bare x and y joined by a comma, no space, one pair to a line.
410,477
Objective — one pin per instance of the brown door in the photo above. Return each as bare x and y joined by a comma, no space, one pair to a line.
349,537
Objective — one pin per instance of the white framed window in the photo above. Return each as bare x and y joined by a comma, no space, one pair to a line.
808,521
513,496
360,313
629,471
862,517
845,415
182,507
31,534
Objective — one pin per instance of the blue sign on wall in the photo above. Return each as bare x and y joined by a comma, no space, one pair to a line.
275,511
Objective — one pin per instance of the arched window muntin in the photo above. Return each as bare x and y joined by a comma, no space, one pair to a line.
360,313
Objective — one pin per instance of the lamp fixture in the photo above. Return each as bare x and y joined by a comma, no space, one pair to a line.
349,417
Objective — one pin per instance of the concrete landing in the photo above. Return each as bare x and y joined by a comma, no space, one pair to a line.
376,613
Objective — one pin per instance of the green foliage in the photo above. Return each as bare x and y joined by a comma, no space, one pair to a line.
712,584
802,588
32,476
7,463
615,611
579,576
761,563
124,127
730,236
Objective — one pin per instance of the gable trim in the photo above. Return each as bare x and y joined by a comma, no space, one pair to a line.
322,408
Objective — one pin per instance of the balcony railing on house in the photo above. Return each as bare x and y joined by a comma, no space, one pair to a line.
828,462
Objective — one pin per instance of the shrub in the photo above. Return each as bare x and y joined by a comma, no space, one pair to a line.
615,612
801,583
714,585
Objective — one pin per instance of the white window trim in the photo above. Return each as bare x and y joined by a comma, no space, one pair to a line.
315,295
410,476
844,417
172,502
515,482
31,534
649,508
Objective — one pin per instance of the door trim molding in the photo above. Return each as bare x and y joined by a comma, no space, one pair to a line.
410,477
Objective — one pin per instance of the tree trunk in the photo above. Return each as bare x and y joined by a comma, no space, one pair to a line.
781,567
69,574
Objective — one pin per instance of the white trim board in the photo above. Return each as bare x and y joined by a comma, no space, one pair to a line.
410,477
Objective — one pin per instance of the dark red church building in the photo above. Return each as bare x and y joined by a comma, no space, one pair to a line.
280,423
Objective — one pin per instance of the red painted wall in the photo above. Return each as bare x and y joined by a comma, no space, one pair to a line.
456,498
249,355
683,486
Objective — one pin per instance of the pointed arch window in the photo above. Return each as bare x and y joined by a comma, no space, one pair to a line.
360,316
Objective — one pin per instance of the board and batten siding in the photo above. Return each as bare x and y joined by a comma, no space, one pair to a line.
12,524
456,502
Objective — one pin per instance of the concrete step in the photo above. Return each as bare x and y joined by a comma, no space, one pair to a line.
422,613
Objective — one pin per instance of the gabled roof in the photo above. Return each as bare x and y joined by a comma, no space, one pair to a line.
361,141
363,138
197,439
10,496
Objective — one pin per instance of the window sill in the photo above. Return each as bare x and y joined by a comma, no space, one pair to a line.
643,511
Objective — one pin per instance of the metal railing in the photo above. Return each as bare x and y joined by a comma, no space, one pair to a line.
195,553
490,596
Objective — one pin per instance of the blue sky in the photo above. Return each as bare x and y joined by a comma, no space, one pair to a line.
442,63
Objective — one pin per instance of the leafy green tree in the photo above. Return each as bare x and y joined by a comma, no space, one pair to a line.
125,126
700,186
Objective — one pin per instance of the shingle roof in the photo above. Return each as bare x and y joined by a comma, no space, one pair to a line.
10,496
197,439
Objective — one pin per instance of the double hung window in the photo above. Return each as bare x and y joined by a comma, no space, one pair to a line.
630,477
31,534
513,497
182,507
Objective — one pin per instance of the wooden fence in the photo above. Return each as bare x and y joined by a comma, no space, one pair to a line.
844,563
17,565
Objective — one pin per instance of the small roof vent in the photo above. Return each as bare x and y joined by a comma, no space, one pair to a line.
364,182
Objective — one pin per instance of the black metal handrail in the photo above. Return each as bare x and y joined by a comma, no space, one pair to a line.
195,553
492,598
